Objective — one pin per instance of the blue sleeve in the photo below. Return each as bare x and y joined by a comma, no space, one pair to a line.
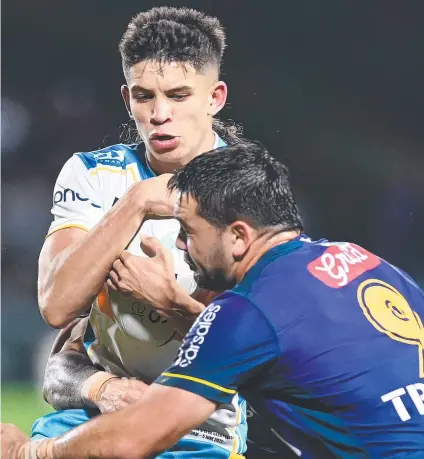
230,342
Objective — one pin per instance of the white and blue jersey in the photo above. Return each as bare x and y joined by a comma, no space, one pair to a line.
326,341
131,338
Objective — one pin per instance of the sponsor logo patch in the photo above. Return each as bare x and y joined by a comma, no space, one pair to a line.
340,264
189,350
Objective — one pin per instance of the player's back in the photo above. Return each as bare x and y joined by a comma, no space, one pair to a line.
351,340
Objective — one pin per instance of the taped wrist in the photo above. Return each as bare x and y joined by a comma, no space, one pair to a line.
92,387
44,449
65,375
37,449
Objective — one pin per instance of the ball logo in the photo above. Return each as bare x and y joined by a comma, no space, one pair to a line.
191,345
387,309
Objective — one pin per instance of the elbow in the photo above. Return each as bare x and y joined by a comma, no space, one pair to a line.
51,313
55,320
55,389
47,390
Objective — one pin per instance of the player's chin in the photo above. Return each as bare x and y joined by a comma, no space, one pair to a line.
176,156
215,282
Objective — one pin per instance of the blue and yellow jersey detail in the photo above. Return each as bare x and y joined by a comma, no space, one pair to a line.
325,340
118,157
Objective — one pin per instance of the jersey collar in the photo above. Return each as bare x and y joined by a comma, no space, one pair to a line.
218,143
273,254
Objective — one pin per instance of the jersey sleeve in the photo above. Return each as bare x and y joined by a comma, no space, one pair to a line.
76,199
230,342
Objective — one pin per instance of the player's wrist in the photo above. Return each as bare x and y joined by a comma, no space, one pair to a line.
183,303
36,449
25,451
94,386
44,449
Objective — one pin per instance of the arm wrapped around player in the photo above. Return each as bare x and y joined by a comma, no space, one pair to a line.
73,381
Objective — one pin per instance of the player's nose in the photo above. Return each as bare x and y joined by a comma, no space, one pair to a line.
161,112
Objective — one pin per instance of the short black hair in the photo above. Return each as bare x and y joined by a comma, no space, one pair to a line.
167,34
240,182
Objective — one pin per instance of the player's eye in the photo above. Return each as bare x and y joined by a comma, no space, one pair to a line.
178,97
183,234
143,97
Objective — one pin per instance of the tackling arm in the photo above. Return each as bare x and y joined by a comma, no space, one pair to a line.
142,430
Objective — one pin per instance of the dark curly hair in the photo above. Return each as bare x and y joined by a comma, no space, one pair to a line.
168,34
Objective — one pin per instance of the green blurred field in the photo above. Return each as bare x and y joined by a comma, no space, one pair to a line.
21,404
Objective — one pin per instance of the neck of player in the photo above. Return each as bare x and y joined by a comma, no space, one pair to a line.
262,244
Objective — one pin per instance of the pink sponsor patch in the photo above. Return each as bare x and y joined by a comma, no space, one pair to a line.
340,264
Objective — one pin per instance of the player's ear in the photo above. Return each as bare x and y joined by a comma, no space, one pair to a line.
125,92
217,97
241,238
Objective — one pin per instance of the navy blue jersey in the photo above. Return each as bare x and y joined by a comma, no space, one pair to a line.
327,332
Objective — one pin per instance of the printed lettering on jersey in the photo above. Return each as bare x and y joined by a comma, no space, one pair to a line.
390,313
110,157
197,335
415,392
68,195
342,263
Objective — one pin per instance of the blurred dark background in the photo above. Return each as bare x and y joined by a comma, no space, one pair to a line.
333,88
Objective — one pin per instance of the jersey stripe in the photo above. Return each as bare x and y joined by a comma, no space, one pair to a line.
115,170
65,226
200,381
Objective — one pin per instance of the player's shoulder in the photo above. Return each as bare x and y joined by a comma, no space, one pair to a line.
118,155
339,265
226,323
235,299
128,158
235,311
300,271
333,263
303,270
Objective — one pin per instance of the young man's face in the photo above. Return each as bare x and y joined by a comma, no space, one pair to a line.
173,105
208,248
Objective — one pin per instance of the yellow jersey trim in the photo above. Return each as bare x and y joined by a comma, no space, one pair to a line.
65,226
201,381
115,171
